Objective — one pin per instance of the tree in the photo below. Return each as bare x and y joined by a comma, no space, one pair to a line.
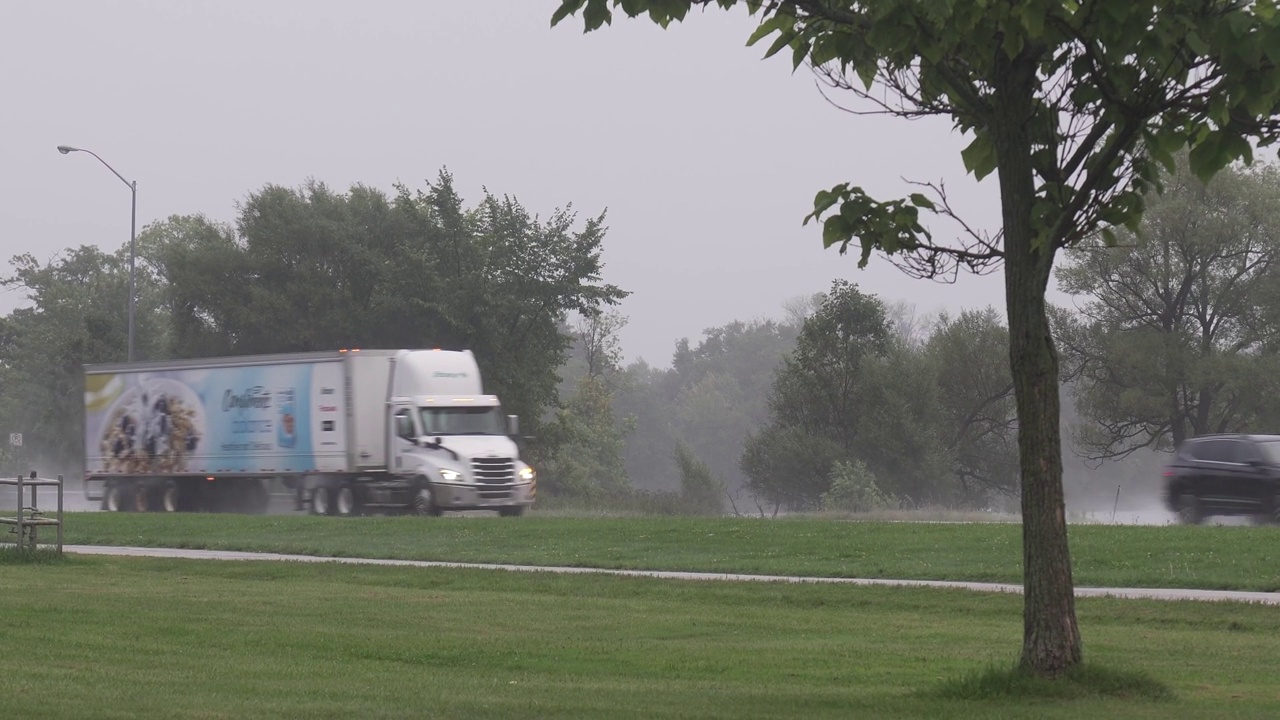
723,390
818,389
712,398
646,397
865,390
788,467
701,492
580,452
975,397
312,269
78,314
1072,103
596,349
854,489
1178,336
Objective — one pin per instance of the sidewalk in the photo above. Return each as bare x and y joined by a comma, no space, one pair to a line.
1264,598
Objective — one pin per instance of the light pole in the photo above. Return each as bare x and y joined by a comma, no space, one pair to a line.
133,229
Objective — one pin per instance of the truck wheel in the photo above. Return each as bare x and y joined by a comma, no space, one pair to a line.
320,504
346,502
113,498
169,498
513,511
141,498
1189,510
424,504
257,498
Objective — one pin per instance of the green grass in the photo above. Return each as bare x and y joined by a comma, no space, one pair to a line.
95,637
11,555
1207,557
1083,682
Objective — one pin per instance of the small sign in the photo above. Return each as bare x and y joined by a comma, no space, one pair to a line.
15,439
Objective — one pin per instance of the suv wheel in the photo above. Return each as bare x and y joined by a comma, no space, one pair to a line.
1189,511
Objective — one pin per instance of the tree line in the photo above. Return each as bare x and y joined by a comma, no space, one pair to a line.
305,269
852,403
845,403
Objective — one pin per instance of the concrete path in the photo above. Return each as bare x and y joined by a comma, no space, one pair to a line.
1139,593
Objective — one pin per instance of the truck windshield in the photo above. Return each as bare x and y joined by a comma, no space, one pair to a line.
463,421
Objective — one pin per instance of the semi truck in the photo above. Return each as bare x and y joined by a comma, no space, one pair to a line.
346,432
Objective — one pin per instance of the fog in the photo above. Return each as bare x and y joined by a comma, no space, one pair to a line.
675,133
705,156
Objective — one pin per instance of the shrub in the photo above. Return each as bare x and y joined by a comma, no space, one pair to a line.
854,489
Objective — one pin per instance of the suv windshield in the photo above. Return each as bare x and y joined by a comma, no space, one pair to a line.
463,421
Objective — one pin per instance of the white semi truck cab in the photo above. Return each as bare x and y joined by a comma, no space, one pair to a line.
347,432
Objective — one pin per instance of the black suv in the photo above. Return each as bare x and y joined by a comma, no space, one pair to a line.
1225,475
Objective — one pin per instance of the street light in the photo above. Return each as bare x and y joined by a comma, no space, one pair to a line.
133,228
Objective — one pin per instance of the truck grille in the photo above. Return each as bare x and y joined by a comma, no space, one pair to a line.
494,471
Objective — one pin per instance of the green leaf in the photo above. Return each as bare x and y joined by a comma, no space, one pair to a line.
1033,21
784,38
1197,43
866,73
979,157
800,50
767,27
823,201
1208,157
834,230
824,51
921,201
595,14
567,8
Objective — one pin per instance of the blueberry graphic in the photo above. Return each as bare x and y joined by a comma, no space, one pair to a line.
191,442
118,449
151,446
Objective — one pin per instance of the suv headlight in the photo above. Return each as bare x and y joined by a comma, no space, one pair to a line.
526,473
450,475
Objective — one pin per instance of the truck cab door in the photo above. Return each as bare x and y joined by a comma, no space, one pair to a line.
404,428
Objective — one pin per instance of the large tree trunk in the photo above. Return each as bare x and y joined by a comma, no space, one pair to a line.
1051,638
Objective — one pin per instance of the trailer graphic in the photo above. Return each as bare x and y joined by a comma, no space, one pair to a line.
348,432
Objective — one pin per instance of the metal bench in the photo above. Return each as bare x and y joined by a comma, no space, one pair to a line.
29,518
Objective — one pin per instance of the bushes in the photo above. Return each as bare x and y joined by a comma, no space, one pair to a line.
854,489
701,492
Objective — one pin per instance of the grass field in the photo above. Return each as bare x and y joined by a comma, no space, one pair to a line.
1206,557
141,638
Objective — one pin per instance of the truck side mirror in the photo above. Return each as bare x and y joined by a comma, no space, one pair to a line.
513,425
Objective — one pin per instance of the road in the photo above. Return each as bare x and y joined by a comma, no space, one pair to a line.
1134,593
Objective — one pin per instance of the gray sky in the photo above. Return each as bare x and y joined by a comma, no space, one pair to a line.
706,156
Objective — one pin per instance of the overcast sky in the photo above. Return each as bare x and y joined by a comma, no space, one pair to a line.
705,155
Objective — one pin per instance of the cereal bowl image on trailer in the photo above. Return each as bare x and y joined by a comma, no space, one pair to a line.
156,426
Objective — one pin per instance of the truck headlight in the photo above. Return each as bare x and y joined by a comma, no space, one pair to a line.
526,473
450,475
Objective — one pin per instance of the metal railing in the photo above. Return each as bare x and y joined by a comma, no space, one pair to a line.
30,518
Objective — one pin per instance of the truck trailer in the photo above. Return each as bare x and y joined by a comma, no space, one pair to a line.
347,432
